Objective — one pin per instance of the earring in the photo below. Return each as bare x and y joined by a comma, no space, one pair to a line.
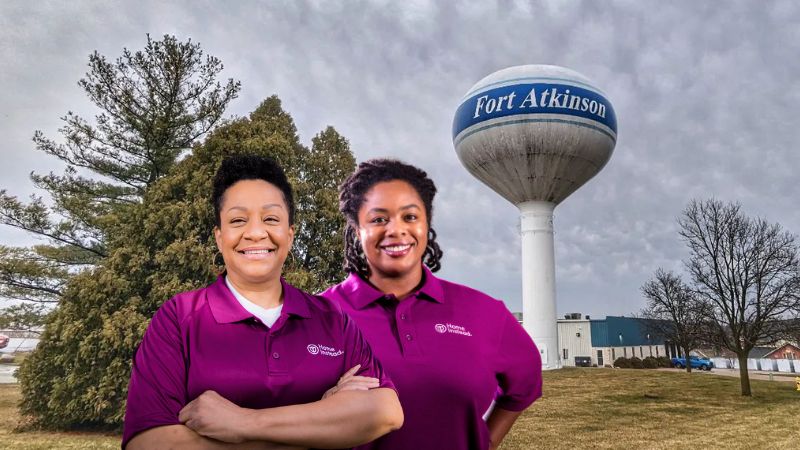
218,259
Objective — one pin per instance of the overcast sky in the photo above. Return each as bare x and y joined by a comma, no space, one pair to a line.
706,94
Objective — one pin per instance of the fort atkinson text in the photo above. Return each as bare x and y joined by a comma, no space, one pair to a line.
547,98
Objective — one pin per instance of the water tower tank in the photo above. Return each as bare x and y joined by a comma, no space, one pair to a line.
535,134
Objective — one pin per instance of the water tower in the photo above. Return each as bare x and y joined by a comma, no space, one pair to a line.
535,134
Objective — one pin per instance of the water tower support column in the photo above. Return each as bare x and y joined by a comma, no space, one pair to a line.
539,279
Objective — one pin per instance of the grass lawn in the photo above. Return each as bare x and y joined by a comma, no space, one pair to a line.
628,408
9,439
584,408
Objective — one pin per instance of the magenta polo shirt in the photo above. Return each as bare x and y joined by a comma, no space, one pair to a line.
447,348
205,340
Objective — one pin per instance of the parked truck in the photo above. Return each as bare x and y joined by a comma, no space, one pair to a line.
697,363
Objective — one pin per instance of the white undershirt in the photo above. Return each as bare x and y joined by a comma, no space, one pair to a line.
266,315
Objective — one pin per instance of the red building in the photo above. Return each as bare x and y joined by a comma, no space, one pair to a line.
786,351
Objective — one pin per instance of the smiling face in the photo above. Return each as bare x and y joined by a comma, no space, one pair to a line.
254,235
393,230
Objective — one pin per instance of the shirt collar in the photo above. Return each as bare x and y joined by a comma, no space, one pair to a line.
362,293
226,309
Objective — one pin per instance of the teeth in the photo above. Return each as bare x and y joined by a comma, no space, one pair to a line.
397,248
256,252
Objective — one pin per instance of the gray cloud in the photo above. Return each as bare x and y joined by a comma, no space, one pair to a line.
706,96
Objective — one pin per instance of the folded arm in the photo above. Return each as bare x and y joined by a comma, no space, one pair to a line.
178,437
346,419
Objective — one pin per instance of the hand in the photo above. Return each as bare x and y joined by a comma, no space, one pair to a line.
213,416
350,382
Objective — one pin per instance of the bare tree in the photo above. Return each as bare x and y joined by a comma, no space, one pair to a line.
746,271
673,311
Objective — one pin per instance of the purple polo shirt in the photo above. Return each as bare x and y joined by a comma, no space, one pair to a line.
205,340
447,348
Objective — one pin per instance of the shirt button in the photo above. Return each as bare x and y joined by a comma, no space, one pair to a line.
409,337
276,355
403,316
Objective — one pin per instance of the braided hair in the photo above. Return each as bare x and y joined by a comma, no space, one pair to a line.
351,197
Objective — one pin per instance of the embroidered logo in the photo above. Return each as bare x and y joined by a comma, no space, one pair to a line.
450,328
324,350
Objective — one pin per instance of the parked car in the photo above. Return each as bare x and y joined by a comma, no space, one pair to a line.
3,340
697,363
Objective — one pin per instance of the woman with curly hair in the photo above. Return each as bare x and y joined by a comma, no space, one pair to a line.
464,367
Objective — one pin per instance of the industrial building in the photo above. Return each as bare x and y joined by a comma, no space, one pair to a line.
583,341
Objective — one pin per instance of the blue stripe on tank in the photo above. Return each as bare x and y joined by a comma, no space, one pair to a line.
514,100
514,122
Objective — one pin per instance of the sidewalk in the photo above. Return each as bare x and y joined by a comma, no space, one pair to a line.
754,375
7,373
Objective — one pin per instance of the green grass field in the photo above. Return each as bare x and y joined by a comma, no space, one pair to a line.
9,439
628,408
584,408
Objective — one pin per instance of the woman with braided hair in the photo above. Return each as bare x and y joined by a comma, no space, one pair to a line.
463,366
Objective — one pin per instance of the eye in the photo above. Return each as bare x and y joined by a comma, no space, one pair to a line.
411,217
271,219
237,221
378,220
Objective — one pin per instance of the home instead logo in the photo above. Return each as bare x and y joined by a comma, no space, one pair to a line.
442,328
323,350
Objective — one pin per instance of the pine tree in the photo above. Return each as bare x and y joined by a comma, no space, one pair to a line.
78,375
154,104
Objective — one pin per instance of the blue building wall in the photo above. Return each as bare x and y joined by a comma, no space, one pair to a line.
615,331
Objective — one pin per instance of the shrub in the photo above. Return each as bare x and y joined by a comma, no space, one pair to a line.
650,363
622,363
663,361
636,363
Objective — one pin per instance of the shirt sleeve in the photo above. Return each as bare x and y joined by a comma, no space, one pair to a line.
358,351
157,390
519,367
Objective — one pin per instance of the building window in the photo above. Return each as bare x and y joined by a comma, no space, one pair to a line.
625,352
613,354
656,351
565,354
641,352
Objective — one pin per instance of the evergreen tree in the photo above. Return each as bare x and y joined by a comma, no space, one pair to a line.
23,316
329,163
78,375
154,104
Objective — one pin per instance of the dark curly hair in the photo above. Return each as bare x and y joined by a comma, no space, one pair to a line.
351,197
249,167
